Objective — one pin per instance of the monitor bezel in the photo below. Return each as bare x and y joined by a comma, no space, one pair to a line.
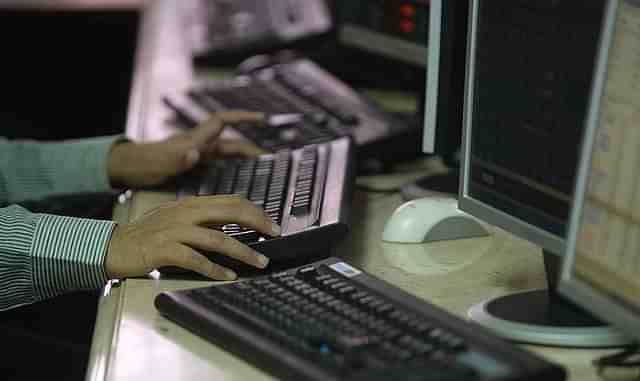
546,240
432,78
616,312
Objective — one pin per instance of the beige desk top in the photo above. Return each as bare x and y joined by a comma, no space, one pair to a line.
132,341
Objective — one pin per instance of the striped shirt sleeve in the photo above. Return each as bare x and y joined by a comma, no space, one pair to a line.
32,171
43,255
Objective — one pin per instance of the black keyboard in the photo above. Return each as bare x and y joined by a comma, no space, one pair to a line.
307,191
306,105
331,321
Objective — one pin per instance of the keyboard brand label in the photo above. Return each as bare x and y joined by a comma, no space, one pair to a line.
345,269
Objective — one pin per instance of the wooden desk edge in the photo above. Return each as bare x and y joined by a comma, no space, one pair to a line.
108,316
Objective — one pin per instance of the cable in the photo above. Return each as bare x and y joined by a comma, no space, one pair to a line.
627,358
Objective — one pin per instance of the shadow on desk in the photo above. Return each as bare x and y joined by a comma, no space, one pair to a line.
90,205
50,339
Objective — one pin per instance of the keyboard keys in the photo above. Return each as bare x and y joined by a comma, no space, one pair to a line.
349,329
299,111
305,182
341,314
264,181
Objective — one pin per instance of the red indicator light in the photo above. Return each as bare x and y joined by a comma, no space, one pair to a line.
407,10
407,26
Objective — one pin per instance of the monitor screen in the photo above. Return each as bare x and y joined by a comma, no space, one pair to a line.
530,70
602,264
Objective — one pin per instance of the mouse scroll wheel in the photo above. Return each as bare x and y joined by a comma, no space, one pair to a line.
289,134
279,120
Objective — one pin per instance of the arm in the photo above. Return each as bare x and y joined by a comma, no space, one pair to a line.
33,171
43,255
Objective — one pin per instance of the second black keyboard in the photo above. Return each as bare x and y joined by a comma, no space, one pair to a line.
308,104
307,191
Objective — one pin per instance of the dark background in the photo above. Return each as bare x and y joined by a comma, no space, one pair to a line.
65,74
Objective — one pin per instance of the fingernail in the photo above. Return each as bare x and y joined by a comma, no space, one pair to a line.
276,229
230,275
192,156
262,260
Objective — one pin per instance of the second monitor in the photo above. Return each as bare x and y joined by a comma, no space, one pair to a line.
530,70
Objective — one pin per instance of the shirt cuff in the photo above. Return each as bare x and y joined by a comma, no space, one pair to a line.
69,254
97,160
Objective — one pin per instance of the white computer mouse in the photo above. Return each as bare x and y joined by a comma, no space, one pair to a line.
431,219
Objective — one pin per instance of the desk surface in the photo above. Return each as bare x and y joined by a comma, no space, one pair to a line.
132,341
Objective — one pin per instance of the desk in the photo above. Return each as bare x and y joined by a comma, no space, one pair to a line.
132,341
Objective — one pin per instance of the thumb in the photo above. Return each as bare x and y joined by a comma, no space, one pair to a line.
190,158
207,131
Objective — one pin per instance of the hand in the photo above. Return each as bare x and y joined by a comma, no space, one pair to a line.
147,164
170,235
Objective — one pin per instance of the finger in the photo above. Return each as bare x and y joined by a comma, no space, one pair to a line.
187,258
223,209
237,116
206,132
211,129
233,148
219,242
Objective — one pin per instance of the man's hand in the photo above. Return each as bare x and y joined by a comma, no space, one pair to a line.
139,165
170,235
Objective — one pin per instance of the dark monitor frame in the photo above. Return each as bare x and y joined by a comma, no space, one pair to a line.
538,316
606,305
445,86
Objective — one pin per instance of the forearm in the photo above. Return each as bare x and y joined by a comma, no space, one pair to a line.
32,170
43,255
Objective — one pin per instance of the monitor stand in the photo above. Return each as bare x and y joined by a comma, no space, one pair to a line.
440,184
545,317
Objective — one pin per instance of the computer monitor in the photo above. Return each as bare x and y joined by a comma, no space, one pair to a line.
381,44
530,68
444,97
424,44
602,260
392,28
395,45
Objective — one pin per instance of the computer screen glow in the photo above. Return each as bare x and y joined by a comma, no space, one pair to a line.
606,237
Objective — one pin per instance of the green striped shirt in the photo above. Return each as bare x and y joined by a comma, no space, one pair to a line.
44,255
